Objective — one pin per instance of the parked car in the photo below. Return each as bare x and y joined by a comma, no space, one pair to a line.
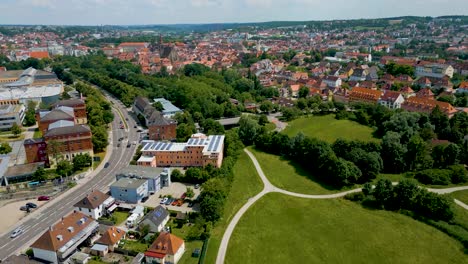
197,186
106,165
164,200
24,208
183,196
180,202
190,204
144,199
31,205
126,118
118,145
174,203
128,145
18,231
43,198
135,126
169,201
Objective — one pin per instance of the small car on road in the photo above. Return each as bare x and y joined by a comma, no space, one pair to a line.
18,231
164,200
24,208
31,205
106,165
43,198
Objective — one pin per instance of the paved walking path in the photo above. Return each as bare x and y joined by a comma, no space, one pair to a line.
268,188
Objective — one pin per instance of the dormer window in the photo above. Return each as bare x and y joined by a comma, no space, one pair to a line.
70,229
59,237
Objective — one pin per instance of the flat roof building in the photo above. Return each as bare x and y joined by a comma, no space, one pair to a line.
199,151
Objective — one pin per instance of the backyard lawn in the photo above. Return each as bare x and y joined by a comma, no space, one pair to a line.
288,176
284,229
189,245
461,195
329,129
134,245
119,217
246,184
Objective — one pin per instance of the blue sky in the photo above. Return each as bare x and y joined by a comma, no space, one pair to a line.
126,12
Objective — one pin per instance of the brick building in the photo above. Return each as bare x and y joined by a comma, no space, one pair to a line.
36,151
71,139
198,151
79,109
45,118
359,94
159,127
424,105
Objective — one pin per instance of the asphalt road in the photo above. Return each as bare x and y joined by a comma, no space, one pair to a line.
38,221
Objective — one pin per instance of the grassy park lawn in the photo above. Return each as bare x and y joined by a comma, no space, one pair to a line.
461,195
286,175
284,229
246,184
329,129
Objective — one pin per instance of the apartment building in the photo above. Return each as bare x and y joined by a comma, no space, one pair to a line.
199,151
436,70
79,109
11,114
70,139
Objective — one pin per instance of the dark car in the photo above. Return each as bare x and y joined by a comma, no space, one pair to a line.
134,126
190,204
43,198
31,205
144,199
128,145
106,165
169,201
118,145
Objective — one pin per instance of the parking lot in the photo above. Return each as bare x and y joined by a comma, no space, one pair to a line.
175,190
11,213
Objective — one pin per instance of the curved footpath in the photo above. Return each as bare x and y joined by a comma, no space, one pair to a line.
268,188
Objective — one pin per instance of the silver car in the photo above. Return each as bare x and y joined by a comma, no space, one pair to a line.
18,231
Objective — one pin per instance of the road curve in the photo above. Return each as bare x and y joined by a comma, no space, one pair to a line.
268,187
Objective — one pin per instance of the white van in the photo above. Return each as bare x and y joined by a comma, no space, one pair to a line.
132,220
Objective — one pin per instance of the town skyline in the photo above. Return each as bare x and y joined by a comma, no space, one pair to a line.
163,12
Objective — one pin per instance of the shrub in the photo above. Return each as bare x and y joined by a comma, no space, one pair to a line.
355,197
434,176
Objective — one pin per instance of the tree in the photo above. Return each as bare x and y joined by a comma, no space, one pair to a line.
15,129
406,192
99,138
184,131
5,148
367,189
383,192
393,153
266,106
248,128
64,168
53,149
30,117
81,161
39,175
263,120
189,192
303,92
158,106
212,127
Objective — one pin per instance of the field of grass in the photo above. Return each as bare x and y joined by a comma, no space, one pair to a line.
286,175
329,129
461,195
37,133
246,184
283,229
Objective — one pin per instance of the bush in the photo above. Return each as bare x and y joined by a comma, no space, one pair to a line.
355,197
459,174
434,176
30,252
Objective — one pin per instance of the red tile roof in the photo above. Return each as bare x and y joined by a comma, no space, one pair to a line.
166,243
364,95
39,54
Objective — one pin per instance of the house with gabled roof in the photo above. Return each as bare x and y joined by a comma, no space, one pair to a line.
392,99
61,240
360,94
155,220
167,248
111,237
95,204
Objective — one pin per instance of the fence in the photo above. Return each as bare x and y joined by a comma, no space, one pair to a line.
201,260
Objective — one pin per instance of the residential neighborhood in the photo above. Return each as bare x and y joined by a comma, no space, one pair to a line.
192,135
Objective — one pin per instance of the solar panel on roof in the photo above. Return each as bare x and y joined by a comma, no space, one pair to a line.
211,144
215,146
168,146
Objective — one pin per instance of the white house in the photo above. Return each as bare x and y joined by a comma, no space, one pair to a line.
167,248
94,204
436,70
61,240
392,99
332,81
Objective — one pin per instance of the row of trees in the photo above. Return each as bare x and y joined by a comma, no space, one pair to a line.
99,112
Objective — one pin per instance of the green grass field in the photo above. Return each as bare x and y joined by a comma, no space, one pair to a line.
461,195
283,229
246,184
329,129
286,175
